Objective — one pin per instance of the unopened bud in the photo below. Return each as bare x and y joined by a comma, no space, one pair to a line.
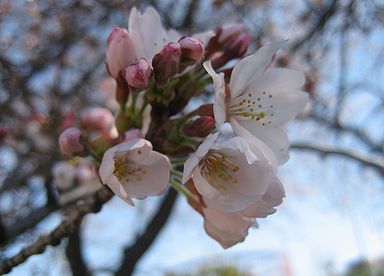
192,50
200,127
206,110
166,63
138,75
133,133
238,47
229,32
120,51
71,142
97,119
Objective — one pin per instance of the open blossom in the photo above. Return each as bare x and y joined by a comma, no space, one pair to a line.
133,170
230,228
231,175
259,100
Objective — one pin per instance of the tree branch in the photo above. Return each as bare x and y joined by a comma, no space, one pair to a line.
133,253
324,150
74,254
92,204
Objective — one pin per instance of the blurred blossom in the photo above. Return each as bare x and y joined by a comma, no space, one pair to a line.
99,119
71,142
63,175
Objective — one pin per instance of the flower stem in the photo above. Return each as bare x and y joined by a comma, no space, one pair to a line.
181,189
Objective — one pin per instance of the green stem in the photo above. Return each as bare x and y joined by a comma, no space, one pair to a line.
181,189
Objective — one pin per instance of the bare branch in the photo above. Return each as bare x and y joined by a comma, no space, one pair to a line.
325,150
92,204
75,256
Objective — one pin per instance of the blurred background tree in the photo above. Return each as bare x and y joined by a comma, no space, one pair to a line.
52,57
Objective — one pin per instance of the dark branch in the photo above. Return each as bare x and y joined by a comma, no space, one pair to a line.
92,204
75,256
133,253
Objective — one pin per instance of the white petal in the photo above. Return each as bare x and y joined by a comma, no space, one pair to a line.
107,165
226,228
238,144
219,86
203,187
204,37
147,33
273,136
155,180
189,166
118,189
206,145
257,145
250,68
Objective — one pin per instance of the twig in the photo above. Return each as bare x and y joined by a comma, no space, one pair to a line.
365,160
74,254
92,204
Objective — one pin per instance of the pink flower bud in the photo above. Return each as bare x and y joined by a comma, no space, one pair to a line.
120,51
229,32
71,142
239,46
206,110
97,119
201,127
138,75
133,133
192,50
166,63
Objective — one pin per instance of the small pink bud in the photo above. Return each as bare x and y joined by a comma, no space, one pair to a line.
138,75
206,110
133,133
71,142
166,63
97,119
229,32
200,127
238,47
192,50
120,51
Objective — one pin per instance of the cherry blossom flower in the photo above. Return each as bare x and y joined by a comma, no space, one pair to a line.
133,170
230,228
259,100
233,174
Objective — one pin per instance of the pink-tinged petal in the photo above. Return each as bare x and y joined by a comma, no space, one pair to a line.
226,228
219,87
278,79
203,187
265,206
273,136
250,68
107,165
120,51
238,144
206,145
189,166
119,190
147,32
204,37
155,180
256,144
139,150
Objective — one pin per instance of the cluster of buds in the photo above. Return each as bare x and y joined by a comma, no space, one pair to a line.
230,181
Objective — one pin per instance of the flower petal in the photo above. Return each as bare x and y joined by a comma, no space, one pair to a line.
251,67
119,190
273,136
147,32
204,37
219,86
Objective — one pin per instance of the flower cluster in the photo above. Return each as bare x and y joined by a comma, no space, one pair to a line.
231,180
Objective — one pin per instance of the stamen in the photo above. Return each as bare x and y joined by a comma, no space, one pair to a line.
126,170
219,171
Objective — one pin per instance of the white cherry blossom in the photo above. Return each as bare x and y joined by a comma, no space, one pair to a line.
133,170
233,174
259,100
